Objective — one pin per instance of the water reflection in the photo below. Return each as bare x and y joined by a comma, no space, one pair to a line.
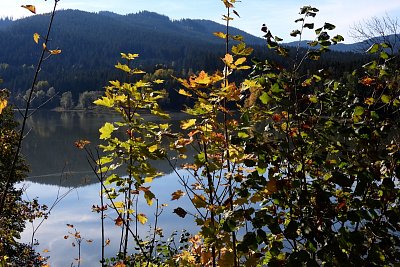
57,165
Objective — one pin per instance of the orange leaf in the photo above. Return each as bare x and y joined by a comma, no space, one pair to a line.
119,264
55,52
119,221
108,241
31,8
81,143
177,195
367,81
3,104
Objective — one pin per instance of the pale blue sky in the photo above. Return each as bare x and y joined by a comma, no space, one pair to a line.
279,15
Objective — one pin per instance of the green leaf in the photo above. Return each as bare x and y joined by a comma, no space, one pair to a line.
265,98
358,111
384,55
106,131
385,99
243,135
373,49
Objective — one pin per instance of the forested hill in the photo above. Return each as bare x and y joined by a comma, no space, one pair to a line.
91,44
93,39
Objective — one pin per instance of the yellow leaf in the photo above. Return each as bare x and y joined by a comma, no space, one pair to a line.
220,35
36,37
228,59
188,123
107,241
203,78
153,148
106,130
44,46
3,104
119,204
104,101
177,195
240,61
31,8
183,92
158,81
148,179
142,218
46,250
55,52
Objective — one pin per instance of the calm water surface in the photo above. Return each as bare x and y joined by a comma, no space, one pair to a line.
58,168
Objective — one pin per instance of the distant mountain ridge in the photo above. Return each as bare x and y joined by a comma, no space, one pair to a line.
358,47
91,44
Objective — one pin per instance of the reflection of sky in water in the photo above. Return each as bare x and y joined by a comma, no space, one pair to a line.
51,154
75,209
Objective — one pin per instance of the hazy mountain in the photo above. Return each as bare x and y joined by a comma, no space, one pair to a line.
358,47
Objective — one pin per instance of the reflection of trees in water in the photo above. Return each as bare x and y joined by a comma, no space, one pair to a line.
43,126
50,150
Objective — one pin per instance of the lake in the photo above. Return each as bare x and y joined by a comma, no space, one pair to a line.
58,168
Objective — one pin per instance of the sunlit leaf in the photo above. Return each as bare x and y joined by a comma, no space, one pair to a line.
119,204
220,35
158,81
31,8
104,101
3,104
123,67
36,37
188,123
240,61
106,130
142,218
153,148
55,52
183,92
373,49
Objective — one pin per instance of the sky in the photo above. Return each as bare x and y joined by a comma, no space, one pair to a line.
278,15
